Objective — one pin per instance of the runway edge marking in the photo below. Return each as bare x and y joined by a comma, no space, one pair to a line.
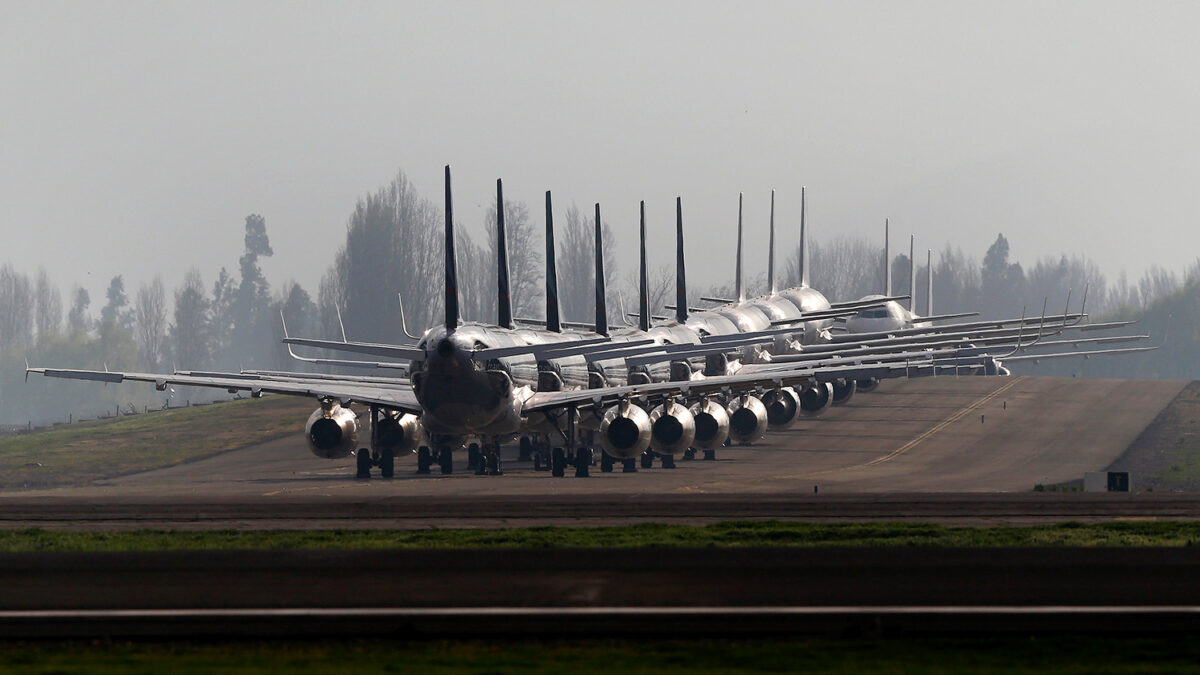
936,428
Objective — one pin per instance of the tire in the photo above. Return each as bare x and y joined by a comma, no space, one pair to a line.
424,459
558,463
363,460
446,460
473,458
526,449
387,463
647,460
606,462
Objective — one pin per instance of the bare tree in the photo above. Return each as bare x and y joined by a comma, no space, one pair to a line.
150,310
576,263
48,305
16,308
190,330
524,257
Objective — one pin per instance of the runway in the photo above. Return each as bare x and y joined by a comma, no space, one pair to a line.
963,450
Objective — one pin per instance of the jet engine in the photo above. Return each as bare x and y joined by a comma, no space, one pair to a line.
816,399
401,432
843,390
712,424
747,419
783,407
672,428
625,431
332,433
866,384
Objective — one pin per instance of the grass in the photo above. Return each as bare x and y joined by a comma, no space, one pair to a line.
696,657
78,454
1171,444
729,534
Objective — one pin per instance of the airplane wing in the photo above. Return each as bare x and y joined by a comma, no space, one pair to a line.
396,396
726,384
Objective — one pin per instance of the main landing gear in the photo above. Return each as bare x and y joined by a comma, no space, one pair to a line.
384,458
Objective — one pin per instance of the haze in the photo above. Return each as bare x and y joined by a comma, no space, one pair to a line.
136,137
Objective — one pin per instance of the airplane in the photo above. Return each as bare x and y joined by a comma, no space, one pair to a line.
475,380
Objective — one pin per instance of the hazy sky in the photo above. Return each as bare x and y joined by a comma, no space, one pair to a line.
136,137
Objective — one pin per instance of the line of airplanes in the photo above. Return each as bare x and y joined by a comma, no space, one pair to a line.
663,387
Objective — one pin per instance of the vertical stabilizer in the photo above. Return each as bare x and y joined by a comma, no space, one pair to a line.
601,305
643,280
803,237
503,297
552,319
681,301
912,273
771,251
451,266
928,282
739,290
887,261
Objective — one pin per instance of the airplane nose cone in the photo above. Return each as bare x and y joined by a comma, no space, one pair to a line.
445,348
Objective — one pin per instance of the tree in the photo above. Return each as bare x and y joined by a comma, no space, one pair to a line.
251,305
16,308
296,307
190,331
47,304
1003,282
150,310
115,310
221,319
77,319
525,269
576,263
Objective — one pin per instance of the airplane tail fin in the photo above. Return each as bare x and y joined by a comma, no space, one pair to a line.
643,280
929,281
887,261
681,306
912,273
739,291
451,266
771,248
803,234
552,319
601,303
503,298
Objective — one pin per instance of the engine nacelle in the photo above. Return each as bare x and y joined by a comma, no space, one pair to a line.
747,419
401,432
843,390
816,399
866,384
712,424
672,428
332,433
625,431
783,407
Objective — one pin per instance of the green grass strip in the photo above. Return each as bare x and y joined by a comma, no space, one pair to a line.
695,657
745,534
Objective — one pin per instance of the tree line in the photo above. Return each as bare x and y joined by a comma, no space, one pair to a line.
393,247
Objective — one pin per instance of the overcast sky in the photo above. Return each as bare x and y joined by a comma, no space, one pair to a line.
136,137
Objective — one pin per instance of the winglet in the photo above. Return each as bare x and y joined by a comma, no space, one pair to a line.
912,273
553,323
27,370
681,311
403,321
341,325
644,282
451,264
929,281
601,304
504,316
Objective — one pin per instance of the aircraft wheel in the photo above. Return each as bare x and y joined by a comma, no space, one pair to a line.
493,463
558,463
629,466
387,463
424,459
526,449
473,456
364,464
647,460
710,455
668,462
689,454
606,462
446,460
583,462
